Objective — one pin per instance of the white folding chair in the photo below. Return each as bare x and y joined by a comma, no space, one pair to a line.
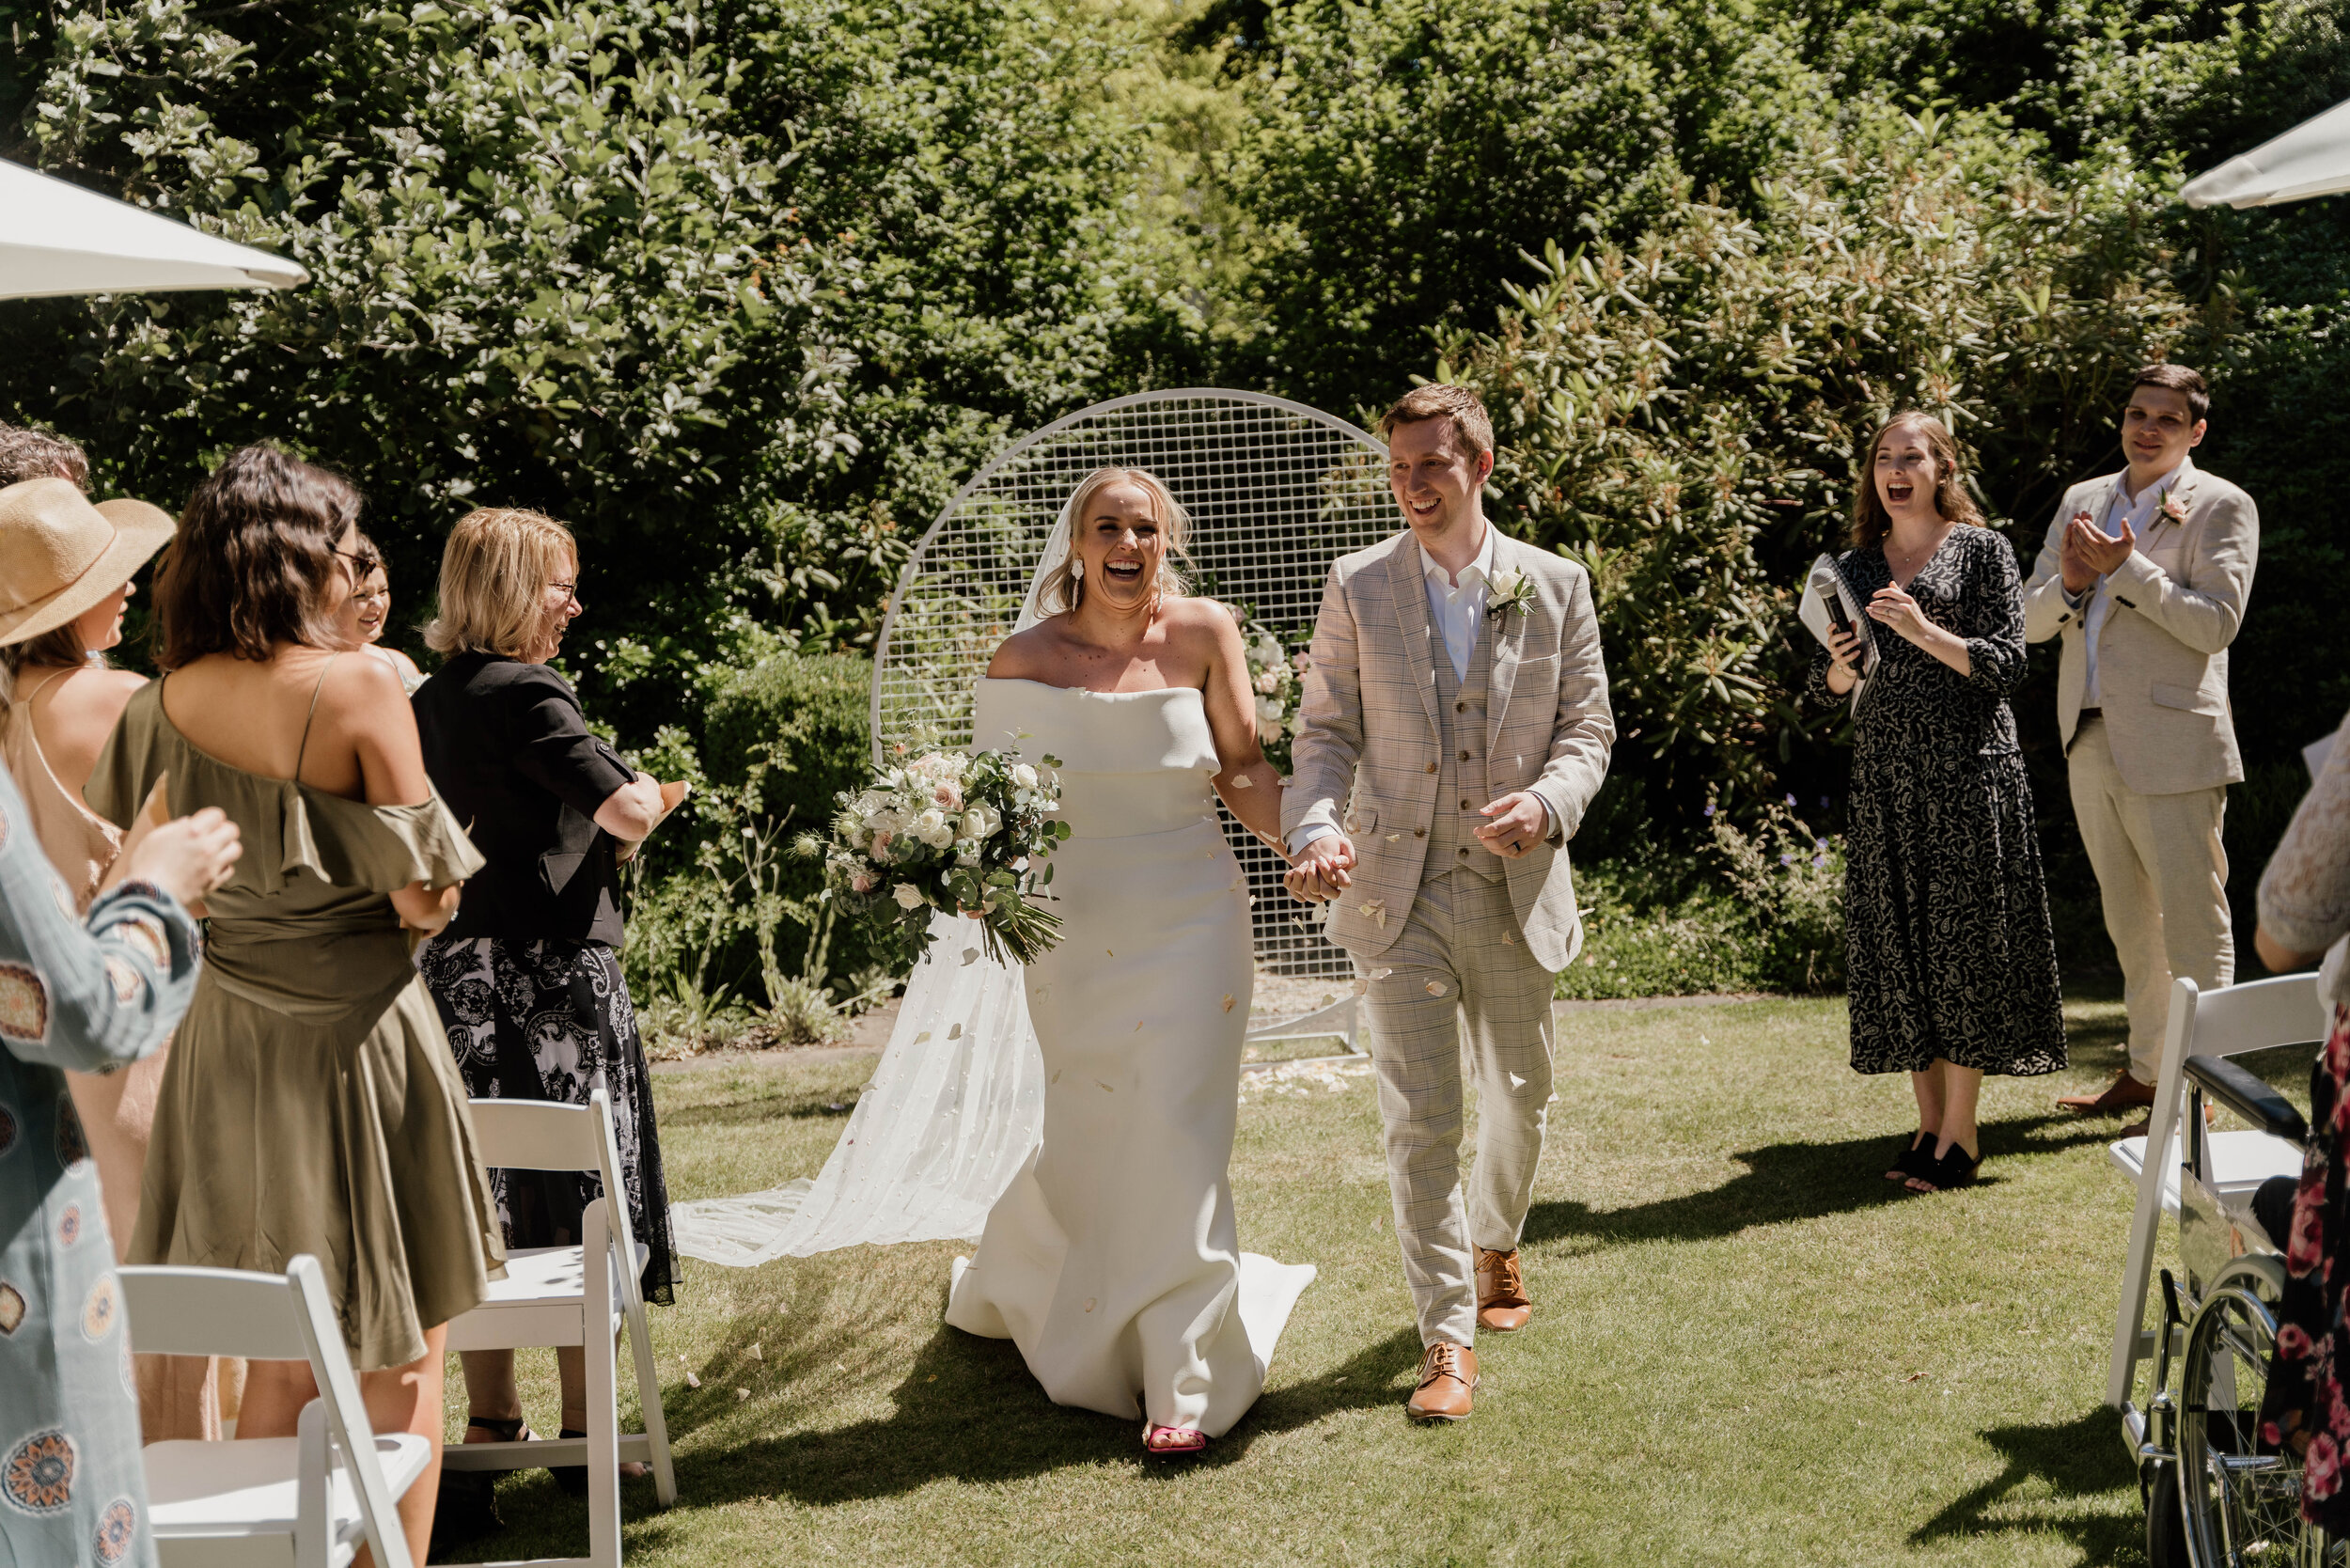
307,1501
2219,1024
571,1296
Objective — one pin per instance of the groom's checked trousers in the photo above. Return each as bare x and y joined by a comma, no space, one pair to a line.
1460,958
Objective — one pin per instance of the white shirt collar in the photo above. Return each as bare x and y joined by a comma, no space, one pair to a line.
1482,567
2162,486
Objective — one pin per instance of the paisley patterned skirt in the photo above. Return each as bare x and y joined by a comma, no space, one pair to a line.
551,1020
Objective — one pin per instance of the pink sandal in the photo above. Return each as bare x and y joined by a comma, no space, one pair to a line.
1173,1441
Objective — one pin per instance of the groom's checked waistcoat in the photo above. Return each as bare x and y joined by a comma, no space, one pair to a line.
1374,744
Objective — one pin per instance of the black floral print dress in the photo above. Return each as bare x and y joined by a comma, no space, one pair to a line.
552,1020
1946,915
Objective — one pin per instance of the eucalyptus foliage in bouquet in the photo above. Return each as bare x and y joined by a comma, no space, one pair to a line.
1275,671
966,834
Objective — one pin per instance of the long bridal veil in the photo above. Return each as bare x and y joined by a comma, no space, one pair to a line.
952,1111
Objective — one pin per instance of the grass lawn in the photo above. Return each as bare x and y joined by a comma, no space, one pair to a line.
1747,1347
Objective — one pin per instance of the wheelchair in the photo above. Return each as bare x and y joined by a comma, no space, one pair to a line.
2216,1495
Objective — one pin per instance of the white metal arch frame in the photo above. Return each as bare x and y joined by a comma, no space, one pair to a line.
1276,492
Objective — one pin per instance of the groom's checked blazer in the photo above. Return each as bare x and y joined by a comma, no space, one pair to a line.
1365,756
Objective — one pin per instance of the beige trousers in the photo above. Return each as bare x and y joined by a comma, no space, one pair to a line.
1458,956
2162,875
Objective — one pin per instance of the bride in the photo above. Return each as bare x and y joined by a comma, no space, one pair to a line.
1112,1259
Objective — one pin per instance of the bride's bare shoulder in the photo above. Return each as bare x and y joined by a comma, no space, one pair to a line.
1027,656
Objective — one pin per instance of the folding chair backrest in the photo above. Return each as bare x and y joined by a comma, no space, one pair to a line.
2223,1023
213,1311
272,1317
2253,1017
536,1135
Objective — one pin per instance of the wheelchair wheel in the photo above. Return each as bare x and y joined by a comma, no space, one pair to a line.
2242,1508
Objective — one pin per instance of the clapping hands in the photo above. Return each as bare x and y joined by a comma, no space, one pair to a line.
2089,553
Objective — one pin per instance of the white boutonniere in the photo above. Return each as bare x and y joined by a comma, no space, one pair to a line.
1508,590
2174,507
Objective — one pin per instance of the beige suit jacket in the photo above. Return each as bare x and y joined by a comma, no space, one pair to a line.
1365,757
2162,654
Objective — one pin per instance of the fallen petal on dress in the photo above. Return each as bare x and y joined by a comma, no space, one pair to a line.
1112,1259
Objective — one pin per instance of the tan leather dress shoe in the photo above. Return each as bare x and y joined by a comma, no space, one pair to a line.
2121,1094
1502,1302
1448,1375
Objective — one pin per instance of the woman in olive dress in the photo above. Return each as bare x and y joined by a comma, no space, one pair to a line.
1952,957
310,1104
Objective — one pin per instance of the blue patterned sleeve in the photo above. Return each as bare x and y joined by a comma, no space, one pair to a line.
88,994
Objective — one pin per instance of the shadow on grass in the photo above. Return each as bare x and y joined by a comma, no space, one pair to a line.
1797,1181
751,1110
2076,1459
968,1411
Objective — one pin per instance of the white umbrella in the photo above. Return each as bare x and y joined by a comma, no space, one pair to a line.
2310,159
59,239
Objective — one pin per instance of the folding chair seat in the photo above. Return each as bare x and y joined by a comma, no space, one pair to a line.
571,1296
307,1501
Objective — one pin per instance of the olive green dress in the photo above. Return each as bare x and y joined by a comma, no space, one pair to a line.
310,1104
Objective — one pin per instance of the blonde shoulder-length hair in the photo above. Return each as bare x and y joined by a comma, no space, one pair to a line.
493,578
1066,589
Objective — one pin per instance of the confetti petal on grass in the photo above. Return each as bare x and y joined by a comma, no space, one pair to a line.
741,1394
756,1354
693,1382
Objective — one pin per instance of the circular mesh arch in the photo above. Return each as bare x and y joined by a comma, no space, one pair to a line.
1276,492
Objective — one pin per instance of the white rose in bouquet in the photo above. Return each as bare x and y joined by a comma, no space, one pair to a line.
982,822
966,851
1022,777
908,896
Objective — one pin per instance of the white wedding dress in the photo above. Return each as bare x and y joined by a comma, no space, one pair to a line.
1112,1259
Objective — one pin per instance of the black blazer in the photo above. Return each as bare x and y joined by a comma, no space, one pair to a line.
508,748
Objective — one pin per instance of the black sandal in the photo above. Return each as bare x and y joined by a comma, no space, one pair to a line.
1951,1171
1915,1158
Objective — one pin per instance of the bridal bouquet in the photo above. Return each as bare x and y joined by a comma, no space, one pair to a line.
1274,675
968,834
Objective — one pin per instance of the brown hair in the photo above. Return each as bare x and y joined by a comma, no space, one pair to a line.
1870,523
1439,400
494,576
33,454
2177,378
254,564
1064,592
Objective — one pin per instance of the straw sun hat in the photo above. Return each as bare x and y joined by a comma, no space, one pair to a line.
60,555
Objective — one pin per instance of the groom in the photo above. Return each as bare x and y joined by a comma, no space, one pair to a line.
1457,712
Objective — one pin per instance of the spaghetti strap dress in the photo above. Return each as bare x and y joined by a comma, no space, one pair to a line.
311,1104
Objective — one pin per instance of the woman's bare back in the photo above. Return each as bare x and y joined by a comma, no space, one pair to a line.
361,737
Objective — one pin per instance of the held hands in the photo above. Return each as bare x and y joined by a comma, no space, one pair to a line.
2089,553
1320,873
1519,821
188,856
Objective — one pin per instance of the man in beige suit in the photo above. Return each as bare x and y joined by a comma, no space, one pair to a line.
2144,575
1454,730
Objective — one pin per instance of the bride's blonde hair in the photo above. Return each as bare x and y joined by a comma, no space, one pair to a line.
1065,592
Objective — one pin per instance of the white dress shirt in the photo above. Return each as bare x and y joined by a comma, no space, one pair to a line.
1456,609
2141,515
